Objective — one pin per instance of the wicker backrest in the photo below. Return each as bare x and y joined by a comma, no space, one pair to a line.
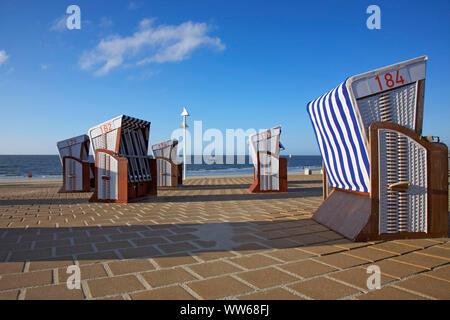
402,160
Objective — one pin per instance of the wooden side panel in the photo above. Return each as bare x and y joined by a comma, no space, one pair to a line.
437,187
122,180
86,177
255,187
94,196
153,173
438,179
92,177
373,225
63,188
283,174
180,173
174,177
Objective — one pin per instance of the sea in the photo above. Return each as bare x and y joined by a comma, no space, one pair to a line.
49,166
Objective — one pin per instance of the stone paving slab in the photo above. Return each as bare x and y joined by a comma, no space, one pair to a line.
209,239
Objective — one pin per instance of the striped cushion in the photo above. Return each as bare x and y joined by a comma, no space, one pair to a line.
340,140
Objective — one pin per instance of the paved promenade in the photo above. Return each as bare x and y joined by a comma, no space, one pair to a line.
210,239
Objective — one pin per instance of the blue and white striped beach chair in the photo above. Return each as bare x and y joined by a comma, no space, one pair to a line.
386,180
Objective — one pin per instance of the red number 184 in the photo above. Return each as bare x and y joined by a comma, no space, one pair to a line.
389,81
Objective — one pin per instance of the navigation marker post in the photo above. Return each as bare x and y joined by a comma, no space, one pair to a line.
184,125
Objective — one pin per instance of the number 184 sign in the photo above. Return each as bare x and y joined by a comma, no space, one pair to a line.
389,80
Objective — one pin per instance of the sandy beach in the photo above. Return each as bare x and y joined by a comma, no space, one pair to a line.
209,239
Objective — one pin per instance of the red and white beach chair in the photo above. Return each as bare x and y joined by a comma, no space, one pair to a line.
170,172
77,171
270,171
124,171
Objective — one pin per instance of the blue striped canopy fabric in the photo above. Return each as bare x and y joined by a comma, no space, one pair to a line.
341,141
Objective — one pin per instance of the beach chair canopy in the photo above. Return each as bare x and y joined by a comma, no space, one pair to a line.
126,137
341,118
166,149
77,147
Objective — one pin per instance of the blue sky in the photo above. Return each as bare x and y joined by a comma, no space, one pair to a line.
235,64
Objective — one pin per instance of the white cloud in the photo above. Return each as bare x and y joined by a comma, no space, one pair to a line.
44,66
3,57
165,43
59,24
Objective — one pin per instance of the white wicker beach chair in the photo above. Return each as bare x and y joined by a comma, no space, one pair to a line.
386,180
169,170
77,171
124,171
270,171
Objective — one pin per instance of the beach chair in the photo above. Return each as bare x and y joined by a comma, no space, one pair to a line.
386,180
124,171
77,171
170,173
270,171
